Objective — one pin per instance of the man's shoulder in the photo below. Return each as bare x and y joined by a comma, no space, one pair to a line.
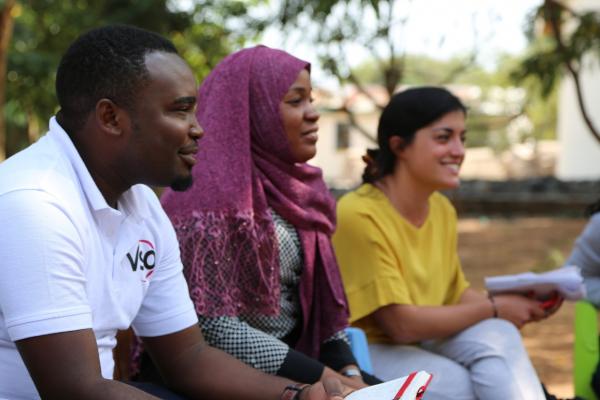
40,178
38,167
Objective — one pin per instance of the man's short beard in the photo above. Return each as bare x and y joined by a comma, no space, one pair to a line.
182,184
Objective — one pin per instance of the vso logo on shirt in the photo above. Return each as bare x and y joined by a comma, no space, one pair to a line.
144,258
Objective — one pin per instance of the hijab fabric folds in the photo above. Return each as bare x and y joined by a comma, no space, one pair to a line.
245,166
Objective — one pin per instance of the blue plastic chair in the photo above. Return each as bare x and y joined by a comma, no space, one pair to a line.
360,348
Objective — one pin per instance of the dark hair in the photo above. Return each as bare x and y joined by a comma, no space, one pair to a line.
106,62
406,113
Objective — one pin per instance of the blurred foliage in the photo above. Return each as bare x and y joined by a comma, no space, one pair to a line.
484,129
541,108
345,29
425,70
43,29
554,258
548,57
217,28
208,30
338,28
561,41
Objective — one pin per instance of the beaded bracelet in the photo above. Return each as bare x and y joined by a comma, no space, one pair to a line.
292,392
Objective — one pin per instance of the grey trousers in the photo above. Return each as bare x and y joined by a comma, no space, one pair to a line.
486,361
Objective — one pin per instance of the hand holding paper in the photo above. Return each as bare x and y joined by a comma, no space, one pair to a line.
567,281
411,387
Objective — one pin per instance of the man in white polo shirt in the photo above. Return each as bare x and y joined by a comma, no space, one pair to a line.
85,248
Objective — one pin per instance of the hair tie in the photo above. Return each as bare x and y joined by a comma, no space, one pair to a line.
368,159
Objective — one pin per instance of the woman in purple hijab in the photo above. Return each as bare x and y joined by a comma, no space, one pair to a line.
255,227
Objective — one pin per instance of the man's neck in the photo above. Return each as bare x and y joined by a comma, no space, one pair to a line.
109,182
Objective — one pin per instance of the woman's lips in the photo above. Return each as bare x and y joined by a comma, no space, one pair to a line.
311,135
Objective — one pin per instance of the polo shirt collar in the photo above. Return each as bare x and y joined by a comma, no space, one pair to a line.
128,204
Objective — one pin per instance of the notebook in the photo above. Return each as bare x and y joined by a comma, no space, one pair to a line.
411,387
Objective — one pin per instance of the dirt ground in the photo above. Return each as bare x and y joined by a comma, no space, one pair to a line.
504,246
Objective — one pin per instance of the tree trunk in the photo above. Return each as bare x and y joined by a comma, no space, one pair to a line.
6,27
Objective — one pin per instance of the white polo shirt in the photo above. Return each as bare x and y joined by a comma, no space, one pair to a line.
68,261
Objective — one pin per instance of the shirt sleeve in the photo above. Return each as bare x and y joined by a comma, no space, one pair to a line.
299,367
42,280
167,306
586,255
336,352
369,270
252,346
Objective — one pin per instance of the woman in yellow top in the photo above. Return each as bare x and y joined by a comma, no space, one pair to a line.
396,247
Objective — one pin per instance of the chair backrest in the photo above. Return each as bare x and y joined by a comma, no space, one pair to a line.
360,348
585,349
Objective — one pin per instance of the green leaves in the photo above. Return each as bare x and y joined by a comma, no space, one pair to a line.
43,29
564,41
562,46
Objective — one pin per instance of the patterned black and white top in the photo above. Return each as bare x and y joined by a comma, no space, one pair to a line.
257,339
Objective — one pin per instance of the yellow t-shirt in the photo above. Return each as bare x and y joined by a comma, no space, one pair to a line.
384,259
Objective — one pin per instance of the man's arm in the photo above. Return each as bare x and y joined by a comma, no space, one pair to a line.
43,291
193,368
66,366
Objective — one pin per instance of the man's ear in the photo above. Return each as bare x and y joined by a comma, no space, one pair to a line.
110,118
397,145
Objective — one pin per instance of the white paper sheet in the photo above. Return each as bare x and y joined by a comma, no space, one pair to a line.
566,280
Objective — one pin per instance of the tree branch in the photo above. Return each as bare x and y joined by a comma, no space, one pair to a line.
361,129
553,9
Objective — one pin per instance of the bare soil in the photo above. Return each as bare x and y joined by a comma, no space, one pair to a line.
505,246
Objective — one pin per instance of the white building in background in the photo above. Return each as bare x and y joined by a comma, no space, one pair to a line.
579,157
341,146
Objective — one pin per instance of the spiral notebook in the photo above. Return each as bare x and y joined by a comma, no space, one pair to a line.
410,387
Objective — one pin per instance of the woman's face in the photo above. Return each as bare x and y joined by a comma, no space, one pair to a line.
299,118
434,157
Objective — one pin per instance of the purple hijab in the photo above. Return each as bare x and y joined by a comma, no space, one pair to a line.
226,233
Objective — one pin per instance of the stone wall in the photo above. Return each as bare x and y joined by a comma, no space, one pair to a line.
535,196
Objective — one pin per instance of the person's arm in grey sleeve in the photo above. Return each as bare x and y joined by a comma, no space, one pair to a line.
586,255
